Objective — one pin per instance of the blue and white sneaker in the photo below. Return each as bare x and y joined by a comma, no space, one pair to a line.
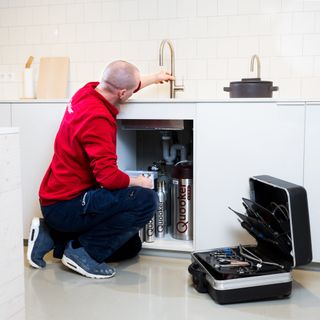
39,243
78,260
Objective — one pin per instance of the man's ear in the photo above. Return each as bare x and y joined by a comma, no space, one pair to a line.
121,93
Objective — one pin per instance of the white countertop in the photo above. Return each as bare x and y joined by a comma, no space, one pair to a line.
34,101
167,100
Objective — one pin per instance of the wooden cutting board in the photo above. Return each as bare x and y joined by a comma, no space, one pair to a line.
53,78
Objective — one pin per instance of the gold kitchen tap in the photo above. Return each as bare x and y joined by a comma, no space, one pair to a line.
173,86
255,57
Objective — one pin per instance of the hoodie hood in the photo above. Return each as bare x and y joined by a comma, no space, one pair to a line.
88,91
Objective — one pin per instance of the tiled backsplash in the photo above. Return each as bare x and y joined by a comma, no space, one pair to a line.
213,39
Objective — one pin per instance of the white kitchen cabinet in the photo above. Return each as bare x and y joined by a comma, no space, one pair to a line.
38,123
232,140
137,148
5,115
235,141
312,173
12,304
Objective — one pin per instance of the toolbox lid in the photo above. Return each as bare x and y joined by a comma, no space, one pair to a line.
290,200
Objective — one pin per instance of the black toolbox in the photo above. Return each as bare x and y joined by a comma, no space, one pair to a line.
276,215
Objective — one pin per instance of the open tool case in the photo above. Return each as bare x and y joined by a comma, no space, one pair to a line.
277,217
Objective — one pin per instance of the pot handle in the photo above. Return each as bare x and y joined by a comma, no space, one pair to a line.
274,88
228,89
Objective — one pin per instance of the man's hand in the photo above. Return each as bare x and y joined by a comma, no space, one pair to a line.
141,181
163,76
155,78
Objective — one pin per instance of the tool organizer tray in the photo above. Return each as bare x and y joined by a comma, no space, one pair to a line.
276,215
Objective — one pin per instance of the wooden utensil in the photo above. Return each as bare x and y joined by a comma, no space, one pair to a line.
29,62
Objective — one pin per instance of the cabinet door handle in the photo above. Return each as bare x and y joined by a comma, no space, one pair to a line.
313,103
293,104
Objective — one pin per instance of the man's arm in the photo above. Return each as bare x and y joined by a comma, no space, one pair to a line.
155,78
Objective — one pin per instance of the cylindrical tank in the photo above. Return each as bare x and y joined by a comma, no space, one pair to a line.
182,201
149,231
161,224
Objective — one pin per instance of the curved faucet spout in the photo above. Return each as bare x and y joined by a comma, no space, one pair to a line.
173,86
255,57
162,44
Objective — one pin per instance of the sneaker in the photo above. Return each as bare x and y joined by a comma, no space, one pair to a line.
78,260
39,243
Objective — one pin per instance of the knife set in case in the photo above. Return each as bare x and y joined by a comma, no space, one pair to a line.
277,217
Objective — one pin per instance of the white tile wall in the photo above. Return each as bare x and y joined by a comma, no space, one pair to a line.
303,22
186,8
198,28
213,39
316,68
292,5
218,69
128,10
75,13
270,45
167,9
227,47
92,12
311,5
148,9
270,6
227,7
281,23
238,66
310,87
207,7
260,24
238,25
207,48
291,45
4,36
290,87
16,35
248,7
311,44
303,66
247,46
218,27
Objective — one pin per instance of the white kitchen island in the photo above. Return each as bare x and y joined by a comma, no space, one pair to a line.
233,139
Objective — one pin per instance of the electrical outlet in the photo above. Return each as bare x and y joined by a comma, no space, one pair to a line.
7,76
11,76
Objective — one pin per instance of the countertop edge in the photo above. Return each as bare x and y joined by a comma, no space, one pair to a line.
8,130
156,101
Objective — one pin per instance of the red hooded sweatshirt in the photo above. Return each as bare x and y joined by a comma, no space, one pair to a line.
84,149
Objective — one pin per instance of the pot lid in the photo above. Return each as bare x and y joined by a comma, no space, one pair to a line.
252,80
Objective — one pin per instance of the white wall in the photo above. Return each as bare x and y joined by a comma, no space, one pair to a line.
214,41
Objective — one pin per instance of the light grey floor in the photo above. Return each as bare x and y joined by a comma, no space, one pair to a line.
148,288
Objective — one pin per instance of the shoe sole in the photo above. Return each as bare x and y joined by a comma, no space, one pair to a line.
33,235
73,266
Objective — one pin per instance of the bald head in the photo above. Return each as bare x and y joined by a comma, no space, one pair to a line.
120,75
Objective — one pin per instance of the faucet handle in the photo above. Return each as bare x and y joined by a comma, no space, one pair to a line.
179,87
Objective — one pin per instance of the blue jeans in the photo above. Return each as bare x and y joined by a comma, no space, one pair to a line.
101,220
